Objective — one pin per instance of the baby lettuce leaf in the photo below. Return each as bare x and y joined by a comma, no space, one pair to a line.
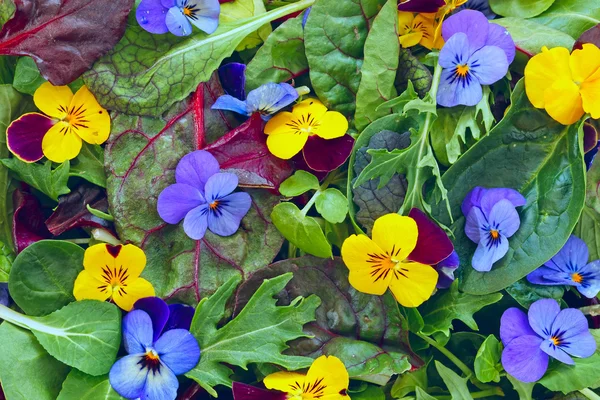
64,37
542,159
520,8
588,227
299,183
27,76
367,332
571,16
258,333
334,37
281,58
42,276
80,386
51,182
487,362
382,52
145,74
27,371
530,36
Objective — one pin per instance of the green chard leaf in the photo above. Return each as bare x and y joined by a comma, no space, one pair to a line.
456,385
571,16
520,8
51,182
487,361
409,382
332,205
382,51
412,72
257,334
546,166
531,36
80,386
299,183
588,227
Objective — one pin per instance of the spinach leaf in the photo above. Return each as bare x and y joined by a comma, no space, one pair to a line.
51,182
332,205
27,76
571,16
531,36
299,183
80,386
520,8
526,293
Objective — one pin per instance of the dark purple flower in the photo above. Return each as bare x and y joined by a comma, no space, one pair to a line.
178,16
491,219
164,316
233,79
421,6
203,197
149,371
482,6
433,245
446,269
476,53
545,331
570,267
325,155
4,296
242,391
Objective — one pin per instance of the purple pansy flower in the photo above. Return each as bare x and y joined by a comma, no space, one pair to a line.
178,16
165,316
491,219
203,198
421,6
149,371
482,6
570,267
446,269
476,53
545,331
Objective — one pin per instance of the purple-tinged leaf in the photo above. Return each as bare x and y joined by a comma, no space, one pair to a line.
28,220
592,36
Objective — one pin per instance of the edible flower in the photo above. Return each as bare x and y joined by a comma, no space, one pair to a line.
570,267
566,86
491,219
266,100
150,369
327,378
476,53
113,272
203,198
399,256
421,6
165,316
482,6
444,11
445,270
178,16
546,331
414,29
68,120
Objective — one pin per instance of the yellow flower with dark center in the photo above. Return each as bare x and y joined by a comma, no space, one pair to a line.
414,29
113,272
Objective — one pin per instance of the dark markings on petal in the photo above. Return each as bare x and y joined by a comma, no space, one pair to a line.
113,250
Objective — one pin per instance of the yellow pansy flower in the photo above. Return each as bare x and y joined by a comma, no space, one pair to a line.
443,12
113,272
414,29
327,379
288,132
566,85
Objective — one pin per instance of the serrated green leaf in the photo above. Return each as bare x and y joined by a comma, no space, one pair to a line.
80,386
332,205
487,361
299,183
455,384
398,103
51,182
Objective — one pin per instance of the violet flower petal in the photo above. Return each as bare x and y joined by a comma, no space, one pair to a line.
568,323
270,98
127,378
24,136
230,103
572,256
233,80
177,22
179,350
230,212
504,218
475,198
195,168
305,17
452,93
151,15
472,23
479,5
180,317
220,185
158,311
541,316
556,352
207,19
433,245
175,201
524,359
548,276
160,386
514,324
498,36
455,51
487,254
446,270
325,155
473,227
137,331
196,222
582,345
488,65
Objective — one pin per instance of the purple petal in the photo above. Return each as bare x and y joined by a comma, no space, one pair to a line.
180,317
24,136
479,5
127,378
453,92
230,103
305,17
472,23
514,324
569,323
541,316
498,36
151,15
241,391
487,253
488,65
455,51
195,168
324,155
207,19
169,3
179,350
549,276
220,185
582,345
473,199
158,311
233,79
433,245
589,288
556,352
475,222
161,386
225,221
524,359
446,270
175,201
504,218
137,331
572,257
196,222
271,97
487,198
421,6
177,22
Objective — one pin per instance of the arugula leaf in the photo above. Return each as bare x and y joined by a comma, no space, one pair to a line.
570,16
332,205
258,334
456,385
299,183
520,8
80,386
51,182
530,36
487,361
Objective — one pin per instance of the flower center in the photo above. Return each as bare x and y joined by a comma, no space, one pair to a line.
187,11
494,234
305,124
576,277
555,340
114,280
383,264
462,70
214,205
150,360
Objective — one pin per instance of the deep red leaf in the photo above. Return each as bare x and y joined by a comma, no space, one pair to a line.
28,220
242,391
592,36
64,37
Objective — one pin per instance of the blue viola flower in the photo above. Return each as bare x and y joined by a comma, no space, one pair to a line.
149,371
491,219
482,6
445,269
266,100
570,267
178,16
165,316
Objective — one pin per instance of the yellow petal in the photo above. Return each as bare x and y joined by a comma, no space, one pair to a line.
543,70
87,287
563,102
405,22
60,143
396,235
426,25
286,145
280,123
53,100
368,264
413,284
590,95
125,296
410,39
126,261
287,382
309,108
584,62
327,378
333,125
88,119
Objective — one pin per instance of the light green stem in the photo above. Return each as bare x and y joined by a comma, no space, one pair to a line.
26,322
330,178
589,394
102,235
78,241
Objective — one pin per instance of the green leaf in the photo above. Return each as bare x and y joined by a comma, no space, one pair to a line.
299,183
281,58
27,76
382,51
336,233
89,165
526,293
7,10
398,103
7,69
7,257
487,361
370,393
520,8
569,378
80,386
241,9
546,166
124,81
258,334
524,390
409,382
456,385
332,205
571,16
302,231
27,371
42,276
422,395
439,312
51,182
334,37
412,72
531,36
588,227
